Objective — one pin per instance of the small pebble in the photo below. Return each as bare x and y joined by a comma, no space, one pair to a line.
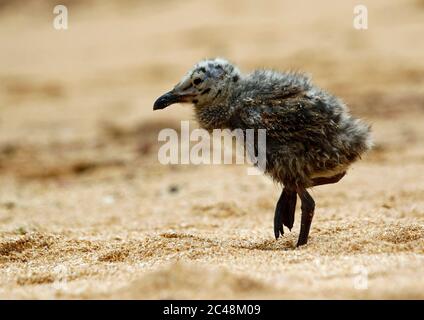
173,188
9,205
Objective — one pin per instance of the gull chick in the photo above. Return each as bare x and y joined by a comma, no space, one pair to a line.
311,138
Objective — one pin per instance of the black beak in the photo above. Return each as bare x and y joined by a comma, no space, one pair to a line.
165,100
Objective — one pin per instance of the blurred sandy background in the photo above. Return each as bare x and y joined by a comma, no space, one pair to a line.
86,210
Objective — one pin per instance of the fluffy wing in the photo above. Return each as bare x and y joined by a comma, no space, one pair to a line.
301,134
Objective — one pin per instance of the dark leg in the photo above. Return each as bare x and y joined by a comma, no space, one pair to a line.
328,180
308,207
278,215
284,211
288,214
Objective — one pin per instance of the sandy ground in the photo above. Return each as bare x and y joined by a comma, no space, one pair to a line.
87,211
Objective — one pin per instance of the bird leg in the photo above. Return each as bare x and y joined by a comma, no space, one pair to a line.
286,206
288,215
278,215
284,211
328,180
307,207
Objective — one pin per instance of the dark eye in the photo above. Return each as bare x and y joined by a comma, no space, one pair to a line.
197,81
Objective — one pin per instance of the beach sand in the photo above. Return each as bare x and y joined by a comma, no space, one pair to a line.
87,211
